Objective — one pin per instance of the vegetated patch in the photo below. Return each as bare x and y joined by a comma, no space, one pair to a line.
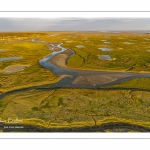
105,57
77,106
132,67
13,69
69,41
84,38
139,83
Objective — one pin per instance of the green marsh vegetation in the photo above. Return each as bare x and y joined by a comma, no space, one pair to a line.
33,74
76,107
139,83
129,50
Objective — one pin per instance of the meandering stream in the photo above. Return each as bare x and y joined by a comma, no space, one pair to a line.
67,81
76,72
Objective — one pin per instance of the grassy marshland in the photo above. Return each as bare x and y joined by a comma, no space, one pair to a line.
76,107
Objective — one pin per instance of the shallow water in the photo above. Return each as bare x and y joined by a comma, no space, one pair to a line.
80,46
54,34
126,43
105,57
105,49
107,42
3,50
56,69
10,58
148,50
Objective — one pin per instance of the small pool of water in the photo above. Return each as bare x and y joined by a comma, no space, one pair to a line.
107,42
10,58
80,46
126,43
54,34
105,49
3,50
103,40
105,57
148,50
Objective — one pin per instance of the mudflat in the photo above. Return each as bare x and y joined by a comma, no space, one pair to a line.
61,59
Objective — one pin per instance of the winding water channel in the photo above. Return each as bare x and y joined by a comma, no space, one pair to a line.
68,82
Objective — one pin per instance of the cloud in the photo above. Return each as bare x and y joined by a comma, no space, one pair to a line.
73,24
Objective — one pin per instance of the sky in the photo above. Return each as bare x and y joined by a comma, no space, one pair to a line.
73,24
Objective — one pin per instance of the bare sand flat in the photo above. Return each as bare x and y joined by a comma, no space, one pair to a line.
60,59
96,79
84,78
64,76
13,69
69,41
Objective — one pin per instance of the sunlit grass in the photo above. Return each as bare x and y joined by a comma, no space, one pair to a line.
139,83
74,107
34,74
127,57
77,106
